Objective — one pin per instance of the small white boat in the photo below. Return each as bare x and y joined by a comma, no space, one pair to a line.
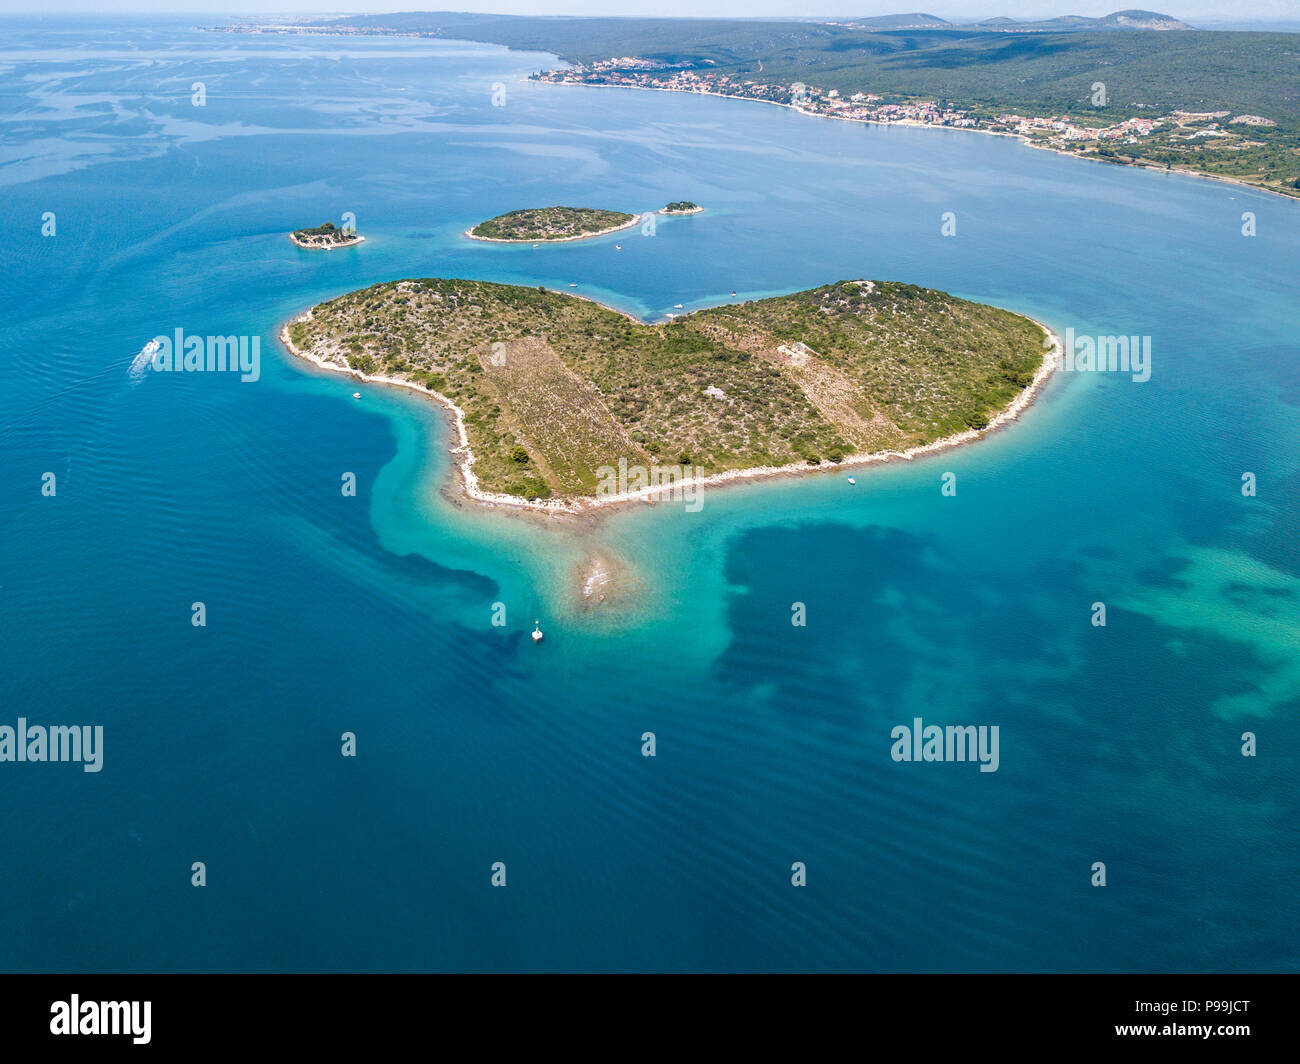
677,306
733,293
618,247
356,395
537,632
852,481
573,284
537,245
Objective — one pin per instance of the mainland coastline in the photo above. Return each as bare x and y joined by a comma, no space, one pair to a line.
912,123
968,114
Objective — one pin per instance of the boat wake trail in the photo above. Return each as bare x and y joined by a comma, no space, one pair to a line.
140,364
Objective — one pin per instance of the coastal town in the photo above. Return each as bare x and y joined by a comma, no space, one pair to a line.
1061,132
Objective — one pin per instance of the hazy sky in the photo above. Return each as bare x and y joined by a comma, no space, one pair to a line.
1190,10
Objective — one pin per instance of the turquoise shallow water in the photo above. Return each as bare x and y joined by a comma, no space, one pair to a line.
372,614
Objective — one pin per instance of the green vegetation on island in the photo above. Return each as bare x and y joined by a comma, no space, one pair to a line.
326,235
552,386
551,223
682,207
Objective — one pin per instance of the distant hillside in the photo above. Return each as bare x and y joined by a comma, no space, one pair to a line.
1142,20
1116,20
914,21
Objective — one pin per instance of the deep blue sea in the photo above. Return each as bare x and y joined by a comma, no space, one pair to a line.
326,614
